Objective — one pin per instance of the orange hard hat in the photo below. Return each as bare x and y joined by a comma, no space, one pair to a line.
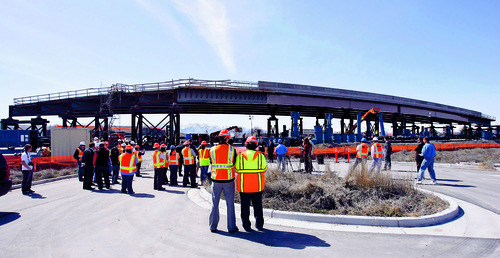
106,143
224,133
129,147
251,139
163,146
204,143
137,146
187,142
156,146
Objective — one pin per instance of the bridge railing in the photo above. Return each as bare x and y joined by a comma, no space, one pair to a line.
143,87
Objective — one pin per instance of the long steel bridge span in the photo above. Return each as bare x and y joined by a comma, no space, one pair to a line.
192,96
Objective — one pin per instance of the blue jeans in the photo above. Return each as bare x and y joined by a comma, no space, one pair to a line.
27,179
228,189
203,173
428,163
80,171
282,162
127,183
116,172
377,164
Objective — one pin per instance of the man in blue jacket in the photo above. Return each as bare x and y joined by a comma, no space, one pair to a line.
428,153
281,151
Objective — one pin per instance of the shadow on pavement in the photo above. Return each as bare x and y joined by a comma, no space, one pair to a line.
7,217
454,185
37,196
106,191
279,238
450,180
174,191
142,195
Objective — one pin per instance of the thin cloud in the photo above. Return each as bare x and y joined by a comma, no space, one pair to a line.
163,17
211,21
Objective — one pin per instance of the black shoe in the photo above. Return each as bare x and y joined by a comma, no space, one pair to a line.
139,175
123,191
234,230
161,189
132,193
213,230
248,229
26,193
31,191
260,228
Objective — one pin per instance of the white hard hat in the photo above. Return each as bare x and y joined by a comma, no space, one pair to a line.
123,144
375,138
82,143
132,143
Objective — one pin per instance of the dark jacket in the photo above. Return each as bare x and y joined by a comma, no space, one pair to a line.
270,149
115,153
387,148
88,158
75,155
418,151
102,158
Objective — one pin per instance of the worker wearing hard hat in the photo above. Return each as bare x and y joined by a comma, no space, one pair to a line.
204,160
189,165
78,155
377,155
159,165
223,157
128,168
250,167
138,153
361,155
173,164
102,166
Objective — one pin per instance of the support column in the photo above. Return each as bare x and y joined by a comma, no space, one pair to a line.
368,125
139,124
358,123
134,132
272,131
342,126
328,128
381,122
295,124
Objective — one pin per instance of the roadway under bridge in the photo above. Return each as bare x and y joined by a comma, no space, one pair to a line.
192,96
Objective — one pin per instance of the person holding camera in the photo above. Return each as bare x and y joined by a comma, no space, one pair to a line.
27,169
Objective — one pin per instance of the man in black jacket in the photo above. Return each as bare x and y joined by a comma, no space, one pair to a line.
102,166
270,151
115,164
418,151
88,167
178,149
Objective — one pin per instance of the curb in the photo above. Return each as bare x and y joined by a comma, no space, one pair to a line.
44,181
428,220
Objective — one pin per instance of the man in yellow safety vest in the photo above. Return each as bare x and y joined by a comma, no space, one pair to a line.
377,155
250,181
128,168
361,155
78,155
159,166
189,156
204,160
173,164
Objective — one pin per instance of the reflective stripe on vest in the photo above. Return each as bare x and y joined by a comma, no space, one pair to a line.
80,153
204,157
127,165
173,158
378,151
363,151
157,161
222,171
188,156
139,157
250,177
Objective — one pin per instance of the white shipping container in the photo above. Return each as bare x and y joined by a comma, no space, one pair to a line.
64,141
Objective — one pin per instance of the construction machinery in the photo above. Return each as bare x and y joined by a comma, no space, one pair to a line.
373,111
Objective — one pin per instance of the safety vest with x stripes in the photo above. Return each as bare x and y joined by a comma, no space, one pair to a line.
250,168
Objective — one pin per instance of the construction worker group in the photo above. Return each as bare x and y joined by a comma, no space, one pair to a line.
378,154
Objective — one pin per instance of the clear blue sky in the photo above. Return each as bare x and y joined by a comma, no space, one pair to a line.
441,51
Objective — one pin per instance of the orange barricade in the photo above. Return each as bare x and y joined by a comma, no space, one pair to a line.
39,163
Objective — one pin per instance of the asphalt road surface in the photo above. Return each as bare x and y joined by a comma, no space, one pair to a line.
62,220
